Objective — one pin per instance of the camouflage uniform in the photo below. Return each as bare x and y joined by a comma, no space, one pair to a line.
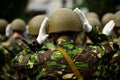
4,57
30,51
13,46
3,52
115,62
3,60
50,64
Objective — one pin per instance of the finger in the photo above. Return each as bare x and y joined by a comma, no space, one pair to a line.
75,9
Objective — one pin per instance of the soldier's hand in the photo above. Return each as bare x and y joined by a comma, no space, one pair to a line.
108,27
42,36
84,20
8,31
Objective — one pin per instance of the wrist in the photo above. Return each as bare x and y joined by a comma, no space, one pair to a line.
87,27
39,40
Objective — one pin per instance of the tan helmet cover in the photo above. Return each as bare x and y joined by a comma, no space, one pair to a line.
106,18
117,18
35,24
63,20
3,25
18,24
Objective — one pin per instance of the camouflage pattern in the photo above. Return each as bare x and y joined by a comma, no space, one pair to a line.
3,57
3,53
50,64
115,62
26,62
108,50
15,45
3,38
12,46
117,40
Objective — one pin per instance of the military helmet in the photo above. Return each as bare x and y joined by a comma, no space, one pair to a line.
34,24
63,20
92,14
3,25
106,18
94,22
18,24
117,18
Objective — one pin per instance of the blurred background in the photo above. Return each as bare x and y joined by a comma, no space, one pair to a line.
26,9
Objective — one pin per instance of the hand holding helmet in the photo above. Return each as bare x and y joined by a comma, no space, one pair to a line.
84,20
42,36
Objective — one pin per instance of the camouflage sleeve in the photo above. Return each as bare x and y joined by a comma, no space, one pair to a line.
104,42
34,46
96,36
19,57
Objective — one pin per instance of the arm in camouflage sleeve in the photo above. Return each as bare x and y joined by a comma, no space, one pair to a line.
98,38
34,46
42,36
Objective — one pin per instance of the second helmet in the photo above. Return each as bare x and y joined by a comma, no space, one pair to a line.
35,24
3,25
18,24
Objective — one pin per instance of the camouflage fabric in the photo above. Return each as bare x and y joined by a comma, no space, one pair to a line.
114,66
117,40
12,46
3,57
50,64
3,38
26,62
